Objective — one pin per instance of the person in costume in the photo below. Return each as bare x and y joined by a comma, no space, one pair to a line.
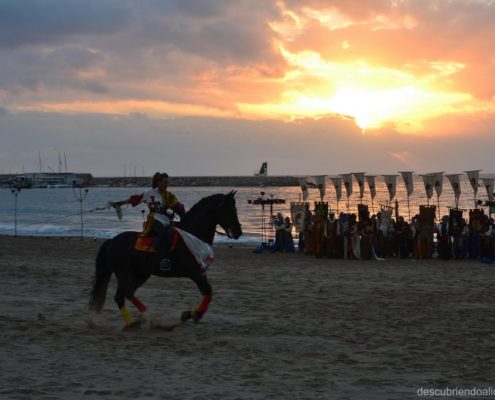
289,239
415,237
332,245
279,225
367,234
443,238
486,242
459,232
403,232
162,205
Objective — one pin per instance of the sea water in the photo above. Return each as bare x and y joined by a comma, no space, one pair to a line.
55,212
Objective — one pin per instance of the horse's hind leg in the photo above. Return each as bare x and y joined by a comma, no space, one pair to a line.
120,300
130,295
124,285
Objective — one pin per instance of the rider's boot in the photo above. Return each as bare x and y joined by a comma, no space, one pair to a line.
162,245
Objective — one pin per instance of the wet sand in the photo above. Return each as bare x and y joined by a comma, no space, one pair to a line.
279,327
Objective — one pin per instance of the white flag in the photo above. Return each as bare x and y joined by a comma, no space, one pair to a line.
347,179
321,184
488,183
337,184
407,177
304,188
391,182
371,184
437,182
474,177
360,180
455,182
298,216
429,181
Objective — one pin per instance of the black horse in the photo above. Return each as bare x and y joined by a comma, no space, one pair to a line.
132,268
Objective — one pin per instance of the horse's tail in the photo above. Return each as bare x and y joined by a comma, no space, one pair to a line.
103,273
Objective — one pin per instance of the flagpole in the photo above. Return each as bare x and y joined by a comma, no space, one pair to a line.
408,208
439,214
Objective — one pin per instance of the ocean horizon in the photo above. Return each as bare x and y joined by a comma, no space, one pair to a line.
55,212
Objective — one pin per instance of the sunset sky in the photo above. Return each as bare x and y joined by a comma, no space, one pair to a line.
218,86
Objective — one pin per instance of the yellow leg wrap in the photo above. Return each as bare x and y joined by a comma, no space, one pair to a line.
127,316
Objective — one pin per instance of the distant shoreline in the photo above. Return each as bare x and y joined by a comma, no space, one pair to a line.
185,181
202,181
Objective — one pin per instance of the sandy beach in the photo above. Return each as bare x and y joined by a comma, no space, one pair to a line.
280,327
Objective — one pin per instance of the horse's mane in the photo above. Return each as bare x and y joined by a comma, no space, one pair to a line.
200,205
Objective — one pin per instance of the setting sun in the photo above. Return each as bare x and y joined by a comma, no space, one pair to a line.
373,96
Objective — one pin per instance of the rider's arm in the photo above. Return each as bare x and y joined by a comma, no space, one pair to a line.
179,209
134,200
176,206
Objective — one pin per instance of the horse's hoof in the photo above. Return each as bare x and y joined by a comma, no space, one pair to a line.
197,317
133,326
166,328
90,323
155,323
185,316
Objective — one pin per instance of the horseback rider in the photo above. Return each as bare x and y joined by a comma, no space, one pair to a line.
162,205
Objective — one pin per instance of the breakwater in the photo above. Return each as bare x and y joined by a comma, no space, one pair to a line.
202,181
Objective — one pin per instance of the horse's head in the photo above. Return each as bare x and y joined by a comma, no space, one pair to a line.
227,216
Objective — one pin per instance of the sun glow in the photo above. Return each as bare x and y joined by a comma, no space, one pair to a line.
374,96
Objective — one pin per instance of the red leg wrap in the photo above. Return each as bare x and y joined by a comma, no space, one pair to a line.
140,306
203,307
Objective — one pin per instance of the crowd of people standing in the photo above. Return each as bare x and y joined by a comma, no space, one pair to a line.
385,235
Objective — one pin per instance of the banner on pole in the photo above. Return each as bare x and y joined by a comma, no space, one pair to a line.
391,183
304,188
347,180
407,177
455,182
488,183
321,184
360,181
372,185
429,181
298,214
337,184
474,177
437,182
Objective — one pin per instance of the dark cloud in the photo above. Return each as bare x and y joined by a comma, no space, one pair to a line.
117,47
197,8
32,22
202,146
218,54
28,71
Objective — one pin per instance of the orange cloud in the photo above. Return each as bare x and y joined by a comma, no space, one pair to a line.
386,63
157,109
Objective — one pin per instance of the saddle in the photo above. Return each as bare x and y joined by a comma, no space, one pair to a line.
146,243
201,251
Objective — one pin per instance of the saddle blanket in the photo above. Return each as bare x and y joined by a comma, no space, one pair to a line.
202,252
145,244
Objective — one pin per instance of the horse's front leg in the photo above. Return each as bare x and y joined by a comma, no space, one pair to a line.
205,288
